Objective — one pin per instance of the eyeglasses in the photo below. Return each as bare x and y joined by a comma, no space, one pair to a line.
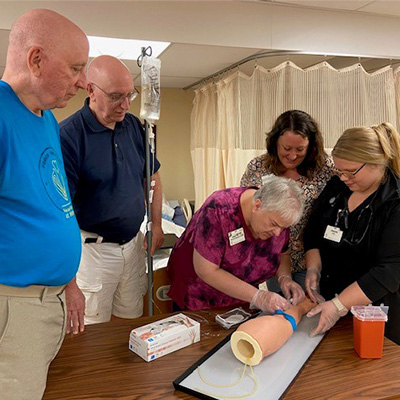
117,98
350,175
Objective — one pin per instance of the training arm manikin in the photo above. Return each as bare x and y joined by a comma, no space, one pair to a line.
260,337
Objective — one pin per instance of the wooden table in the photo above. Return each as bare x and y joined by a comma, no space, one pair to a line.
98,365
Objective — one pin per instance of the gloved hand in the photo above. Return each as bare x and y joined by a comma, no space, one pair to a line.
328,318
291,289
269,301
313,276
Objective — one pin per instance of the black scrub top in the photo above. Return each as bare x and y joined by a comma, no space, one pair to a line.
369,249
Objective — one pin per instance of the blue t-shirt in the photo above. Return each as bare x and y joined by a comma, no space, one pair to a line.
106,170
39,237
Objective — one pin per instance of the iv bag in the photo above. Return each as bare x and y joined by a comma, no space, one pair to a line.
150,98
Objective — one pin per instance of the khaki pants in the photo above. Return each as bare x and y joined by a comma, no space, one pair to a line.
32,329
113,279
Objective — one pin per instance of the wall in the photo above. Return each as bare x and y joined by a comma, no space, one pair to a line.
173,139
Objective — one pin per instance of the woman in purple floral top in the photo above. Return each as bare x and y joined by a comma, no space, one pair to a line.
294,150
235,241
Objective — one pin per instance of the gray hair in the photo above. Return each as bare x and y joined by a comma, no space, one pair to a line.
281,195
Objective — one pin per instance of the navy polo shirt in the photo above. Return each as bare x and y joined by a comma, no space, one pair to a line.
106,170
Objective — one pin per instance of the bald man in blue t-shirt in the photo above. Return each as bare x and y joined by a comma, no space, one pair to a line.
39,240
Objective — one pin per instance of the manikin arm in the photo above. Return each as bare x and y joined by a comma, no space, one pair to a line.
260,337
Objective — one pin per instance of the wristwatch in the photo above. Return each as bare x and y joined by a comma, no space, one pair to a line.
341,309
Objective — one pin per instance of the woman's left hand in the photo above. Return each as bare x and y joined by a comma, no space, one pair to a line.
292,290
328,318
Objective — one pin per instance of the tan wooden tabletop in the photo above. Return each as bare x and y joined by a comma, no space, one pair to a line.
98,364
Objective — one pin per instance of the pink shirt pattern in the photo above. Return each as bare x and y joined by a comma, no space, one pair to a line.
252,260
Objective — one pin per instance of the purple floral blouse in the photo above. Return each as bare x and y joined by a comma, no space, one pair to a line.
252,260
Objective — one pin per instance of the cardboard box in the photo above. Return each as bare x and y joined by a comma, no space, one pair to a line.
164,336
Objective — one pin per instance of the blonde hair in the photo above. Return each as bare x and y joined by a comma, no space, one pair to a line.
377,145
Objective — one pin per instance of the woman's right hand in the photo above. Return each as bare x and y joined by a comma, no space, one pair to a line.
269,301
313,276
291,289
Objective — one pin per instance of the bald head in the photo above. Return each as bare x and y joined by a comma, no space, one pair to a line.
108,71
46,57
109,79
44,28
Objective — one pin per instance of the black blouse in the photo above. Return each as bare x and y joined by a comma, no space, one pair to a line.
369,249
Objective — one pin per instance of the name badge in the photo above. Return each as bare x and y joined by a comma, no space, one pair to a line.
236,236
333,233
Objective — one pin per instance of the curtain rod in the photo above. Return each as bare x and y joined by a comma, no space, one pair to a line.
283,53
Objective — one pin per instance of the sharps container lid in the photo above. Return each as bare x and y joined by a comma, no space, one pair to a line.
369,313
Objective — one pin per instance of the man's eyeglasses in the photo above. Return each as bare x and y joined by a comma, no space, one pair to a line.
117,98
350,175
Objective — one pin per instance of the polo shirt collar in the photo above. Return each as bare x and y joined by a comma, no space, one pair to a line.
91,119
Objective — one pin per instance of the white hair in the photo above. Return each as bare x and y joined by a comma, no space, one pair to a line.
281,195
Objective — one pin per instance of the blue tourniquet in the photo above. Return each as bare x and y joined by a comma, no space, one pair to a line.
289,318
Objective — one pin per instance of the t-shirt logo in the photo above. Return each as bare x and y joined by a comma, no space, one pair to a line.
55,181
59,181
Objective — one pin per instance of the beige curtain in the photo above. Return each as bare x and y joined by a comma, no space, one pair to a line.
231,116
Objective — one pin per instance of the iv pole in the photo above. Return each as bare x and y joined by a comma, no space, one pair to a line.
149,198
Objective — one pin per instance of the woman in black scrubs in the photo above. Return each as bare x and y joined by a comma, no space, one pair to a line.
352,240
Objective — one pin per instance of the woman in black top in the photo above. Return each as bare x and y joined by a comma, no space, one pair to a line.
352,240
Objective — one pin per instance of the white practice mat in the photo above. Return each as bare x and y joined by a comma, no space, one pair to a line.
274,373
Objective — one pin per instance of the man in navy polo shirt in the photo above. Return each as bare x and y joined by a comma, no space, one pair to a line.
104,154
